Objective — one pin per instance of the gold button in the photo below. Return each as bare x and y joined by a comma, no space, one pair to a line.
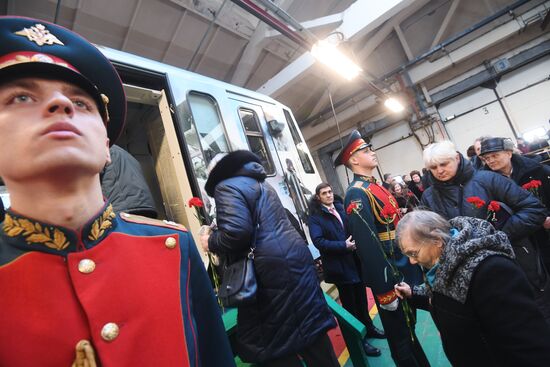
86,266
110,331
170,242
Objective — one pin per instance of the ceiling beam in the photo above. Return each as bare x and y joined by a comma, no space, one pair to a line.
330,20
11,7
445,23
362,17
210,39
403,41
76,14
253,50
426,69
174,35
131,25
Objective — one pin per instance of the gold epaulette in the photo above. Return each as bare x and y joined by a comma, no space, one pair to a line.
132,218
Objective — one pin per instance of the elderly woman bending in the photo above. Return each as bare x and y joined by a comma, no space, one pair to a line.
478,296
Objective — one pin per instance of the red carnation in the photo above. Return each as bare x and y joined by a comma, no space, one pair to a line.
476,201
528,185
351,207
195,201
494,206
388,212
536,184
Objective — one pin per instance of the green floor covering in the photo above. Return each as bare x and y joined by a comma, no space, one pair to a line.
429,338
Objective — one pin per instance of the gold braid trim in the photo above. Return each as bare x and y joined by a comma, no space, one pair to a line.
35,233
102,223
377,208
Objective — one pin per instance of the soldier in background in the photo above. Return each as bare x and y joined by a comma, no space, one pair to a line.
372,216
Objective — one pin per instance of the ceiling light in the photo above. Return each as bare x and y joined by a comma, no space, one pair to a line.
329,55
393,104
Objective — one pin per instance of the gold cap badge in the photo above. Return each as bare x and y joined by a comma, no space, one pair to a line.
40,35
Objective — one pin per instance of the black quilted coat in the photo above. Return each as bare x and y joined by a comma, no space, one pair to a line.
290,312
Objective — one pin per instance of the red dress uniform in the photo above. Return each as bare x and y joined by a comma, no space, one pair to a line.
135,287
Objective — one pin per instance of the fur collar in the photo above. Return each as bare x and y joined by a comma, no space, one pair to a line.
229,166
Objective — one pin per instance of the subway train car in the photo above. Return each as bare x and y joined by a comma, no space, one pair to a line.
178,121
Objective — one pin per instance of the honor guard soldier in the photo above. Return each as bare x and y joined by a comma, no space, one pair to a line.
373,215
79,283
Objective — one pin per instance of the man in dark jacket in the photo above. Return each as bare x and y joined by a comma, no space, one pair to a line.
290,317
123,183
327,228
500,157
456,184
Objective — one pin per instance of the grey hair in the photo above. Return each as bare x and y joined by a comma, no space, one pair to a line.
439,152
424,226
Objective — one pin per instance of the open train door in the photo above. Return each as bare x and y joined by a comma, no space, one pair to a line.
150,136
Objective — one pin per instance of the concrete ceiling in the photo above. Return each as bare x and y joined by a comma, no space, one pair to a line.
219,39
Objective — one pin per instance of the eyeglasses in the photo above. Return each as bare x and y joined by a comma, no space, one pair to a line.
413,254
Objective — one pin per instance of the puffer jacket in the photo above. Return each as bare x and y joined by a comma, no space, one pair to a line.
290,312
340,265
525,170
449,199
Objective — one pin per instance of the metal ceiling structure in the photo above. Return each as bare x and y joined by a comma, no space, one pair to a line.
417,48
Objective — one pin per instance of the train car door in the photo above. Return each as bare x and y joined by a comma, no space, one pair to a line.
150,136
278,158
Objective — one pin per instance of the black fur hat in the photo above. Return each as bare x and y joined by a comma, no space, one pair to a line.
228,166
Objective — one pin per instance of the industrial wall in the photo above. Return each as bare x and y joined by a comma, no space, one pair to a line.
510,106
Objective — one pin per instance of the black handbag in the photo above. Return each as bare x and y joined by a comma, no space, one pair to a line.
239,284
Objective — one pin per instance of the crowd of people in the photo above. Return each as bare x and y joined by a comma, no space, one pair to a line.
466,241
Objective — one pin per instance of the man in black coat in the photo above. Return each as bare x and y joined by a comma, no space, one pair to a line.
456,184
327,228
500,158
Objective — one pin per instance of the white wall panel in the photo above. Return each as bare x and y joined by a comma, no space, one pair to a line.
525,76
530,108
400,157
466,102
487,120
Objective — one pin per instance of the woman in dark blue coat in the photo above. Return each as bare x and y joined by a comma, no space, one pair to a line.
328,231
290,316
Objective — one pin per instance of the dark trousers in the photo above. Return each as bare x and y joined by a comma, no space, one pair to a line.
318,354
354,300
405,351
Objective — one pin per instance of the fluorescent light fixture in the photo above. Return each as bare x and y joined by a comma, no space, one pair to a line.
329,55
449,118
535,134
393,104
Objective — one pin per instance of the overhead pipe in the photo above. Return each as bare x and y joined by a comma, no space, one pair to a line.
456,37
273,22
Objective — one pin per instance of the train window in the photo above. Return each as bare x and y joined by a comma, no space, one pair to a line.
256,139
205,136
300,144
